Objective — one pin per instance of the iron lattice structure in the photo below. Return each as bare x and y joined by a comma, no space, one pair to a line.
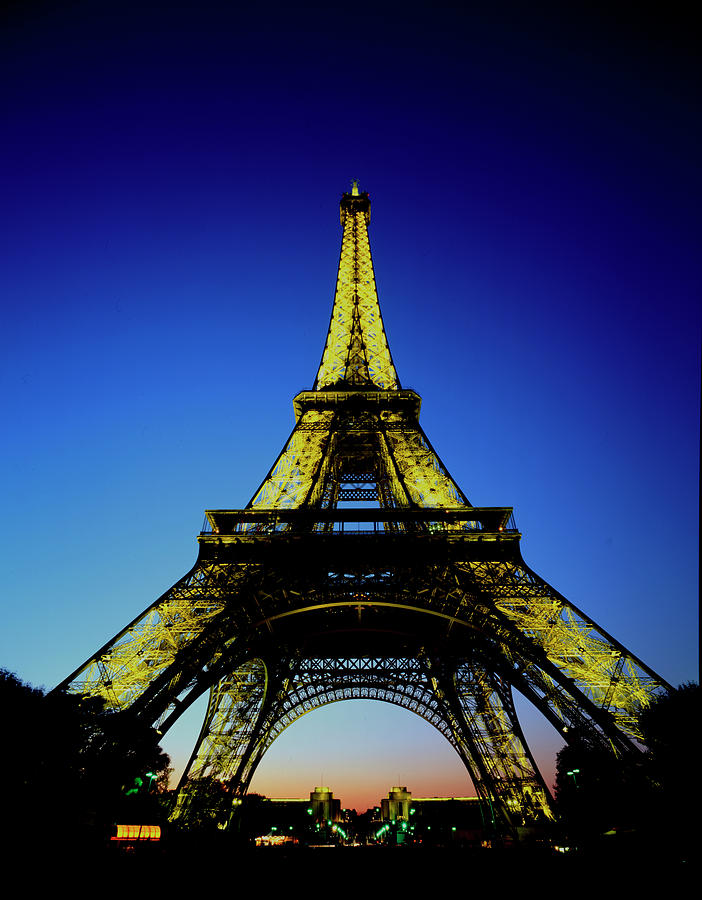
360,570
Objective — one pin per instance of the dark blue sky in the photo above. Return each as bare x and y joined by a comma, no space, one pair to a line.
170,181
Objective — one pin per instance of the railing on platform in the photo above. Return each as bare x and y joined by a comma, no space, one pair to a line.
359,521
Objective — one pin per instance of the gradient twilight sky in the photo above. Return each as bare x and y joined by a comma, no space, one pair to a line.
170,182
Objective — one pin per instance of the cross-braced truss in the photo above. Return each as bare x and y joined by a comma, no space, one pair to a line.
473,711
414,597
356,351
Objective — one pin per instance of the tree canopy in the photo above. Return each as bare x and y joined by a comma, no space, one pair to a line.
651,796
70,763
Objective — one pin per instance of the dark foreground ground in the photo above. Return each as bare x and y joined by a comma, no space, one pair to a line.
187,866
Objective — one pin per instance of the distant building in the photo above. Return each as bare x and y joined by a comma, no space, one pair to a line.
432,820
325,808
295,819
396,807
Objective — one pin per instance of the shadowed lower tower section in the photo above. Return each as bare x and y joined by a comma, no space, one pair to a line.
359,569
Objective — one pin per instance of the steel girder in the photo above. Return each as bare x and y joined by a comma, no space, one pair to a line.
399,455
356,349
466,619
469,706
458,613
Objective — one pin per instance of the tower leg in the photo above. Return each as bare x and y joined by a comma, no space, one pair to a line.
235,707
606,681
494,750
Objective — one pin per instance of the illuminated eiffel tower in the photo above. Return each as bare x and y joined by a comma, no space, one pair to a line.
360,570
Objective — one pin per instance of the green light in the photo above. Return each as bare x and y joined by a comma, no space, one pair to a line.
138,783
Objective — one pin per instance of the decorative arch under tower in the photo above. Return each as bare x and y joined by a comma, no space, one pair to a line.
359,569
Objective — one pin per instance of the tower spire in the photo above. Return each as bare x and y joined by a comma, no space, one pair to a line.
356,352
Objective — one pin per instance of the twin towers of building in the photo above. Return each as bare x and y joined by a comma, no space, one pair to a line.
359,569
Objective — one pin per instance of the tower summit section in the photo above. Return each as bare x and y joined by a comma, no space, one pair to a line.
356,353
390,458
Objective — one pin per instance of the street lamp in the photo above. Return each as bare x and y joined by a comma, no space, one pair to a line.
573,773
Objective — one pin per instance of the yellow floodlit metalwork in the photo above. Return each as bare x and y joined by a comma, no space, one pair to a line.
607,674
231,716
485,738
490,717
419,469
356,351
151,648
290,481
299,571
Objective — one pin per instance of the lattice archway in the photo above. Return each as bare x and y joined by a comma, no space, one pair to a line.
251,708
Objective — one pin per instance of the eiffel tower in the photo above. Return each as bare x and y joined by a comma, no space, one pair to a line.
359,569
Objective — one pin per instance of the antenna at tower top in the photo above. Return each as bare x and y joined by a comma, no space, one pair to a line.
354,187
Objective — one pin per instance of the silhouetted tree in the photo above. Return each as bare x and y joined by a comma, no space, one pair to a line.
651,796
68,763
253,818
598,792
669,729
207,806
